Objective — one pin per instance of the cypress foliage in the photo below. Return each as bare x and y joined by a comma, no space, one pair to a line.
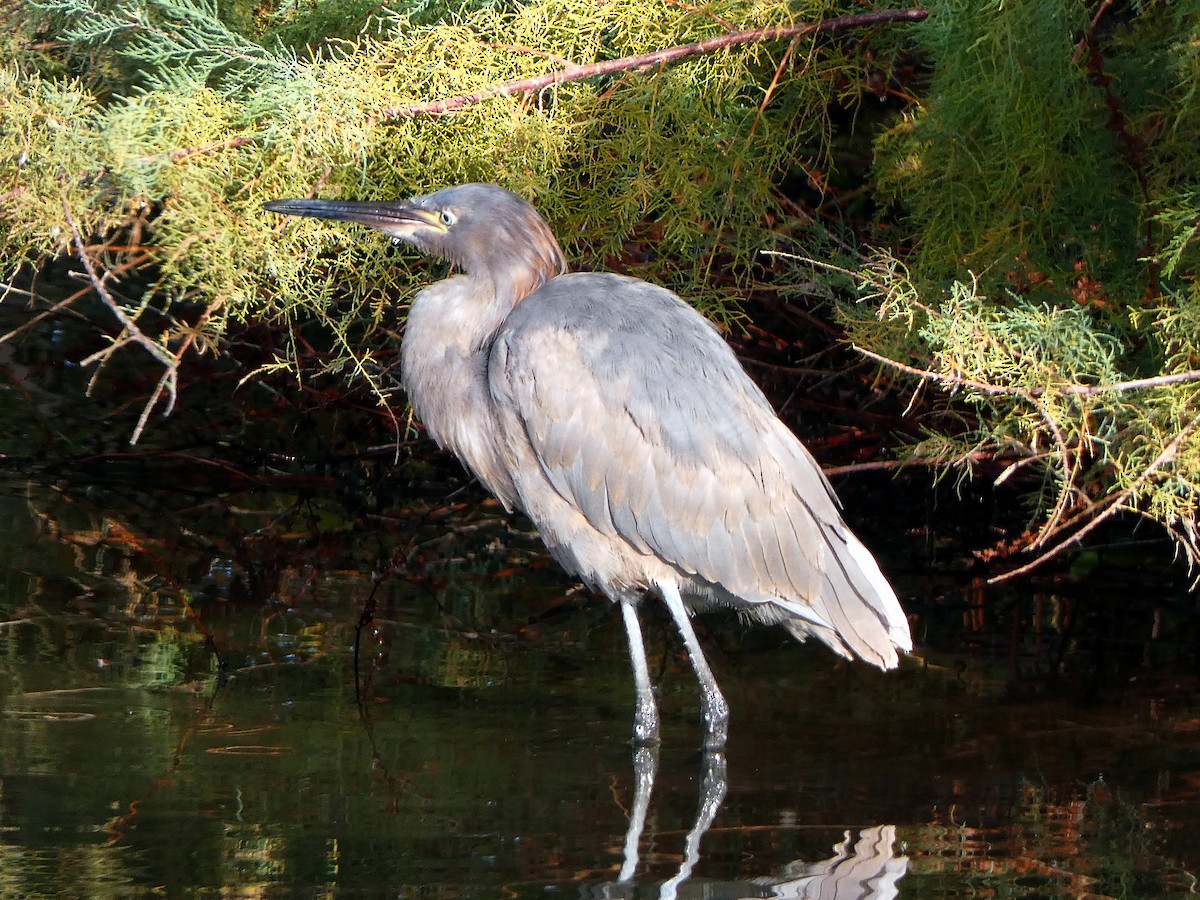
1034,255
1047,274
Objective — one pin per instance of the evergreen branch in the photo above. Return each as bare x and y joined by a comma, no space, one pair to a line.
957,380
1096,512
174,41
657,57
1069,461
1033,393
1110,505
216,146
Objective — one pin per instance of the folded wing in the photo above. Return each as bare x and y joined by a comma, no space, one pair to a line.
639,415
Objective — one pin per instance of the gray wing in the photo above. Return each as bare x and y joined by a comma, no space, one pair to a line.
639,415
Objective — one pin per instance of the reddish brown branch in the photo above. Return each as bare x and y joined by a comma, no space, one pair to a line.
228,144
1133,146
658,57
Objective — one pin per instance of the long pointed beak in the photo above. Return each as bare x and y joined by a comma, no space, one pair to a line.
390,218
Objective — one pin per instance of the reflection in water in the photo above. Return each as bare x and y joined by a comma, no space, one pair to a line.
713,786
866,870
645,766
496,764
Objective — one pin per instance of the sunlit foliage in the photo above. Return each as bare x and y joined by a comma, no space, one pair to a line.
1034,191
1049,184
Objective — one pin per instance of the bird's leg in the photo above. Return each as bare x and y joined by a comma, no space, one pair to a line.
713,708
645,715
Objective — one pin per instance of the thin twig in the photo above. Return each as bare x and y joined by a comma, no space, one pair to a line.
1115,504
63,304
135,333
724,23
532,51
958,380
1070,468
1136,384
169,380
1031,393
227,144
1094,508
883,465
655,58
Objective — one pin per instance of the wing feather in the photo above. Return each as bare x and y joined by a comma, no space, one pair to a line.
635,412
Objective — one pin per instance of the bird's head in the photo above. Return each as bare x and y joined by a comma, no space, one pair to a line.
485,230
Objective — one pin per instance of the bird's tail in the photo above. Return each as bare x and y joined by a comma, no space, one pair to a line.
857,612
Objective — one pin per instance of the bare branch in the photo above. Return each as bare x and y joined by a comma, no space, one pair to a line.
883,465
658,57
957,380
1032,393
1137,384
169,380
1115,504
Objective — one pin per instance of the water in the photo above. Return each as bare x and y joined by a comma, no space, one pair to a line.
181,715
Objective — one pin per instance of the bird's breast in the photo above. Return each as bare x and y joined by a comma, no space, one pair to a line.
444,372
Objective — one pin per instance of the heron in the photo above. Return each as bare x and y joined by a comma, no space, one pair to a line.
619,420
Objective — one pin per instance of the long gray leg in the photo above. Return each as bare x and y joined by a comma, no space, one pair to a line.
645,715
713,708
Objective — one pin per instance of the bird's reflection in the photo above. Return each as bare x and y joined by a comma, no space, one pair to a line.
713,785
868,869
865,868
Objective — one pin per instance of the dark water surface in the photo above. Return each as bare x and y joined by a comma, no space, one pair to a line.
179,717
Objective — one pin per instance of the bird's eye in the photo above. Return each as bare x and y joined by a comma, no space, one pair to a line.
447,218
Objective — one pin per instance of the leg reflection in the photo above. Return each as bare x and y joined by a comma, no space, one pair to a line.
712,795
863,868
713,786
645,765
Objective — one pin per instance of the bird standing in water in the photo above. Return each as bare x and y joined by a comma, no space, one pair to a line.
619,420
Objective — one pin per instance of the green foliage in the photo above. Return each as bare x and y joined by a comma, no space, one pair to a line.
304,26
1048,388
176,127
1040,207
1009,162
165,44
1050,191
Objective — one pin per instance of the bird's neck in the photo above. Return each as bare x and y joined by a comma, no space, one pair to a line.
512,285
461,313
449,333
505,274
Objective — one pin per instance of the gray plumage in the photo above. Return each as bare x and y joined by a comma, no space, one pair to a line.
617,418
